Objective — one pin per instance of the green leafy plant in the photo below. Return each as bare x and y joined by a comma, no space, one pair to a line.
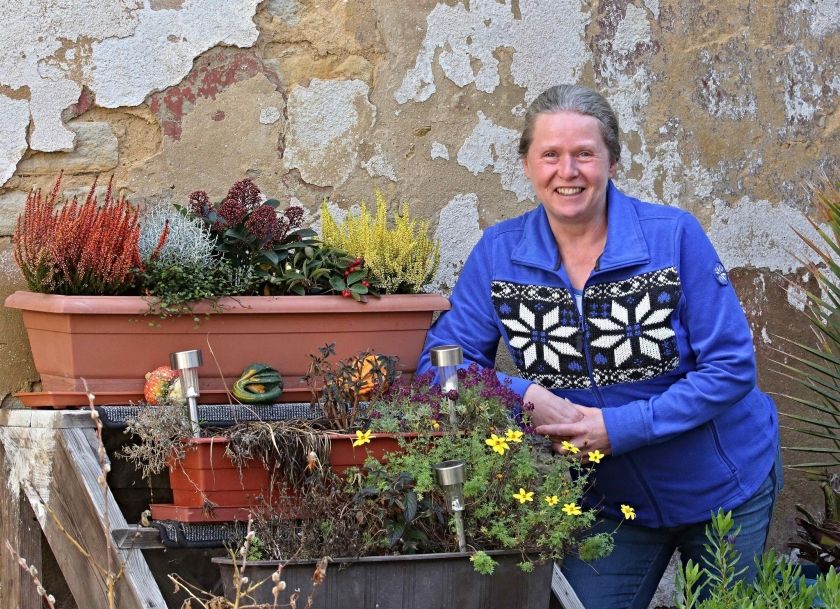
402,259
249,231
779,584
321,269
816,368
518,495
820,535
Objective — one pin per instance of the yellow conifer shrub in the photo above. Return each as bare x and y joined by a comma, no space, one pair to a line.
402,259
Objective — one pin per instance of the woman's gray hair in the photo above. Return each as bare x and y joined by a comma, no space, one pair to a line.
573,98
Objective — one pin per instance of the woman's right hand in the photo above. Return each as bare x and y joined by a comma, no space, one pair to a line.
549,408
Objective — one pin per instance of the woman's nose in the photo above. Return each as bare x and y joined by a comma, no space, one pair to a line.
567,167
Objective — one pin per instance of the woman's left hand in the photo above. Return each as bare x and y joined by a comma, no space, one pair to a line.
589,434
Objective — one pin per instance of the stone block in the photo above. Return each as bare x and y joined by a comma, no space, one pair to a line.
96,151
11,205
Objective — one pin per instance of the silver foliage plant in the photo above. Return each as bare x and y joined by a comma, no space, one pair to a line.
189,243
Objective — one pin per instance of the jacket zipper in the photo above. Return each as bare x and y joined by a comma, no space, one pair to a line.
596,390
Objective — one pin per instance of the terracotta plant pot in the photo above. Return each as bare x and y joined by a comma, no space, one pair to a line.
111,343
343,455
208,487
421,581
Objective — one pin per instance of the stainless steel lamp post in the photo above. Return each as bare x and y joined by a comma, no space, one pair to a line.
187,364
447,358
450,477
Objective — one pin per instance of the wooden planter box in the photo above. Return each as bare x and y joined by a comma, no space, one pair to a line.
111,343
419,581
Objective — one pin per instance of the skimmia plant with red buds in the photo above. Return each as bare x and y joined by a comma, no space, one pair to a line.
77,249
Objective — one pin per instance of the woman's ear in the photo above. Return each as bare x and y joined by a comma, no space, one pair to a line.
613,169
525,167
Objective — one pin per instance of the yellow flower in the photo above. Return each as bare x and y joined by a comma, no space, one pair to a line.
552,500
513,435
595,456
524,495
629,512
571,509
435,425
571,448
498,444
362,437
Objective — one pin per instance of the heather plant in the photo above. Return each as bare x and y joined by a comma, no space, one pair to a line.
402,259
64,247
249,232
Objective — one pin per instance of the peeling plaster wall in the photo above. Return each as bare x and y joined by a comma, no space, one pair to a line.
726,110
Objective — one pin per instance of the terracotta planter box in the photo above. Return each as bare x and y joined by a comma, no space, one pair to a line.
343,455
110,342
420,581
208,487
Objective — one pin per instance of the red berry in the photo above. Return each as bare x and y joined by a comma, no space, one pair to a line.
346,273
346,293
357,261
366,284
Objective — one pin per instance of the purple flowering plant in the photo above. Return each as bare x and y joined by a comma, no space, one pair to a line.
250,231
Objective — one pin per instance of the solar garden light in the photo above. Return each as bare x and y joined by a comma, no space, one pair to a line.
447,358
187,364
450,477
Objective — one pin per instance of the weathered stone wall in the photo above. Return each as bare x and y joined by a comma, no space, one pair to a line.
727,110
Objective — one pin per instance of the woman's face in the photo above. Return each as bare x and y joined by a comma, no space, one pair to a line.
569,165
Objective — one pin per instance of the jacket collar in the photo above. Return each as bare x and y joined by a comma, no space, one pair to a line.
625,244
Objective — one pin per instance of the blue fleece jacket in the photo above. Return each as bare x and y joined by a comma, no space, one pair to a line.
663,348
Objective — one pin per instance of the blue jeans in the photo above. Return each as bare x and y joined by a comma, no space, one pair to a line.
628,578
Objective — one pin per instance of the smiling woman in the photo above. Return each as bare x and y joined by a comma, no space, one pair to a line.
631,345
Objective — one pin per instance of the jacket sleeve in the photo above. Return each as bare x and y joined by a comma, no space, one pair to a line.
471,322
720,339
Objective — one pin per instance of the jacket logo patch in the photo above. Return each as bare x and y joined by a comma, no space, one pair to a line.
628,326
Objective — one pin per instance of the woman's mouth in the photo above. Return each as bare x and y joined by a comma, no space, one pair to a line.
569,191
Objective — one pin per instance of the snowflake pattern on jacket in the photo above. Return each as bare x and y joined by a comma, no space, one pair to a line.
628,325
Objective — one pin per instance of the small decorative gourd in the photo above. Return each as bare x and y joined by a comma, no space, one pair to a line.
259,383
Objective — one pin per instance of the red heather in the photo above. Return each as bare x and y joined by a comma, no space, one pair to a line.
78,249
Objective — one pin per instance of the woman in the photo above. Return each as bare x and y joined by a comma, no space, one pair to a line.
630,341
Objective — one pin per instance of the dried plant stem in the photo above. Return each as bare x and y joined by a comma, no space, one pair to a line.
33,573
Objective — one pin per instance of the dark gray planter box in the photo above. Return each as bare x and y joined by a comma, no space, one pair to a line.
421,581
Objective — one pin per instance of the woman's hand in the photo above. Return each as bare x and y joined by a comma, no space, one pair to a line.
588,433
548,408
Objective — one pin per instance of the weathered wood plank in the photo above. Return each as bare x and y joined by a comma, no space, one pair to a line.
137,538
19,528
76,507
563,591
47,419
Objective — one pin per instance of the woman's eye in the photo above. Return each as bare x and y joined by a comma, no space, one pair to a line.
584,154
